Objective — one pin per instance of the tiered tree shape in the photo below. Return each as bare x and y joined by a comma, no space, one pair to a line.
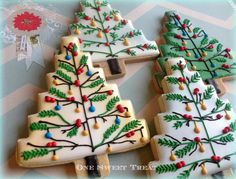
203,53
79,116
197,129
105,34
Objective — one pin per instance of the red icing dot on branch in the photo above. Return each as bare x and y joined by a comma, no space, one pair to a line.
210,46
183,163
110,92
54,144
85,98
178,36
226,130
77,83
108,18
219,116
131,34
197,139
106,30
80,71
49,144
120,108
184,26
179,165
145,46
183,48
128,135
78,123
47,98
132,133
99,9
87,18
177,17
107,44
196,91
216,158
228,50
195,36
124,22
75,53
201,59
71,99
226,66
181,66
80,40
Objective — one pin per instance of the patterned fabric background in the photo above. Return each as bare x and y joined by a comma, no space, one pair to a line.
22,83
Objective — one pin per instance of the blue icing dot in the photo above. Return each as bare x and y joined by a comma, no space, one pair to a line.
184,34
117,121
215,74
197,56
92,109
89,73
48,135
57,107
213,65
68,57
176,23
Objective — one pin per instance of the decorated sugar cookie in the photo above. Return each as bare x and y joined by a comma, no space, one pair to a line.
196,129
81,118
111,40
204,54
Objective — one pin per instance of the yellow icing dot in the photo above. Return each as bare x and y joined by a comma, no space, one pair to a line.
194,68
204,170
127,114
85,132
93,23
77,110
188,54
70,92
190,30
173,157
116,17
126,42
142,140
188,107
77,31
184,43
203,106
96,126
109,149
55,157
227,116
55,82
196,128
181,86
201,147
204,54
100,34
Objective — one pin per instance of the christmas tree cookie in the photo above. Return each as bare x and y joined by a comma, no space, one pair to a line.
81,118
111,40
204,54
196,129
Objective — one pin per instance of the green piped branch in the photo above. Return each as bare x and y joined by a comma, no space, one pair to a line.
128,131
191,166
189,146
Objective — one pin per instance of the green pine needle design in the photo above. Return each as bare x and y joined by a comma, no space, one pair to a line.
131,125
174,97
110,131
63,75
208,93
57,93
172,80
83,60
219,103
111,104
98,98
66,67
227,138
34,153
228,107
168,142
38,126
166,168
185,150
233,126
170,118
48,113
73,132
195,78
95,83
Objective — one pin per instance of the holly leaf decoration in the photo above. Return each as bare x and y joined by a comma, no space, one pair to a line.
63,76
204,41
166,168
171,26
75,48
83,60
72,132
186,149
213,41
219,47
233,126
168,142
38,126
131,125
196,30
57,92
228,107
34,153
186,21
98,98
110,131
208,93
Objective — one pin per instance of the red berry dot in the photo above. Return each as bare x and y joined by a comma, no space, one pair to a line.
54,144
197,139
75,53
219,116
85,98
196,91
180,79
110,92
48,98
183,163
49,144
228,50
77,83
178,165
